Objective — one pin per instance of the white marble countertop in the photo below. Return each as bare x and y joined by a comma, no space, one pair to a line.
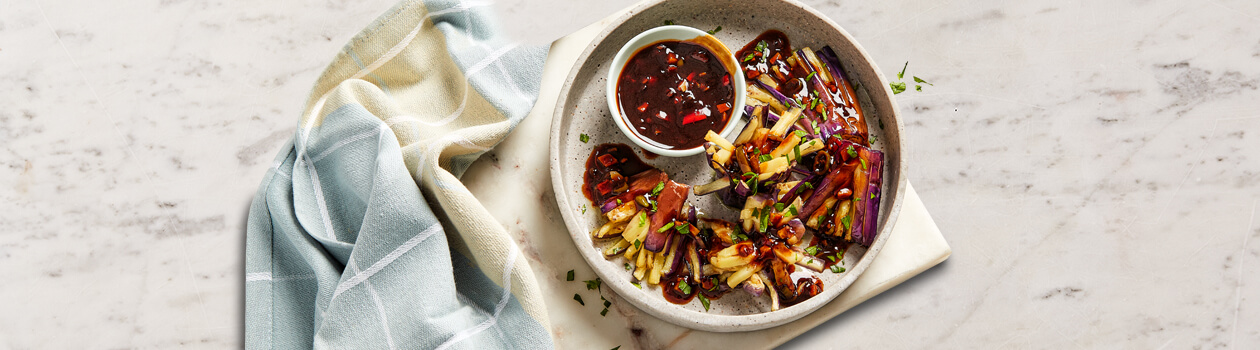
1095,166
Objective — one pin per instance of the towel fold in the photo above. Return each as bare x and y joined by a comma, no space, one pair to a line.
361,235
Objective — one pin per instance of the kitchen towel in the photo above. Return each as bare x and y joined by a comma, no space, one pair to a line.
361,235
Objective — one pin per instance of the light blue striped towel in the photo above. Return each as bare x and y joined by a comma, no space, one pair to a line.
362,236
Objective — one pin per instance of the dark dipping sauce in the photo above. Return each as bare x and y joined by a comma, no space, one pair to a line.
609,167
674,92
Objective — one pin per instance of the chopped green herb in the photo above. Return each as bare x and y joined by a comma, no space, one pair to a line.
606,302
813,104
918,88
747,174
872,196
604,313
903,70
779,206
617,348
619,202
809,77
753,185
637,285
659,186
921,81
715,30
764,158
792,210
637,243
750,57
570,277
832,258
809,185
579,299
593,284
683,228
584,137
685,287
872,139
897,87
812,250
703,301
761,46
627,267
642,220
864,166
583,207
846,221
852,152
800,133
796,151
836,269
666,227
669,22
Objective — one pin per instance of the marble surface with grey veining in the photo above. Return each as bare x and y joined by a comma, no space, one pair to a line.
1094,165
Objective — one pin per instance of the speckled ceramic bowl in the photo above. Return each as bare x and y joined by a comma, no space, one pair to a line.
582,108
674,32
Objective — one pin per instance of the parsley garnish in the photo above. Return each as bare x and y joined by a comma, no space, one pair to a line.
761,46
617,348
637,243
897,87
659,186
666,227
764,158
685,287
903,70
845,221
606,302
682,228
605,312
584,137
812,250
669,22
627,267
836,269
637,285
864,166
583,207
811,76
800,133
750,57
852,152
715,30
703,301
809,185
570,277
579,299
593,284
779,206
792,210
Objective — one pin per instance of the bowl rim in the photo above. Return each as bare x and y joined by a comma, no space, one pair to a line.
657,34
712,322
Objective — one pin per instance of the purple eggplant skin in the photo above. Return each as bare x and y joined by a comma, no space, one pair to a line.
822,191
798,190
755,291
608,206
867,215
731,196
679,255
777,95
797,228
